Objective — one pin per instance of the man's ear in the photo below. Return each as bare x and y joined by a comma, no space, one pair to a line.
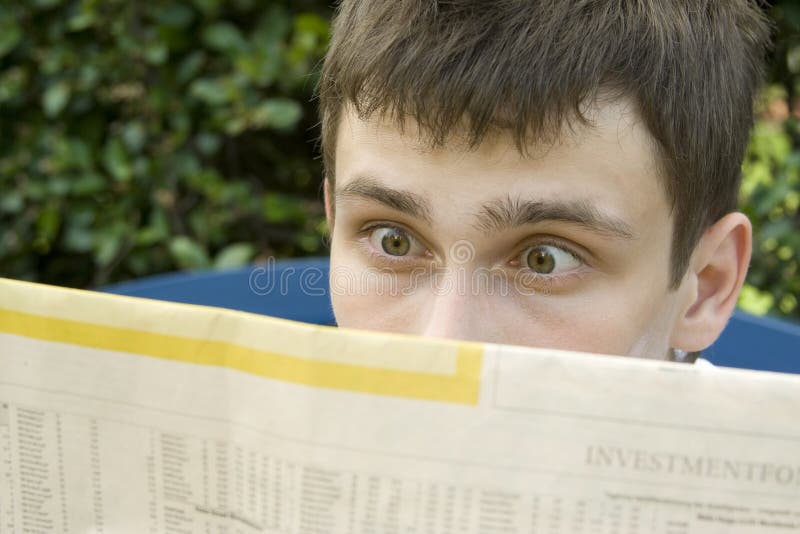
328,203
716,274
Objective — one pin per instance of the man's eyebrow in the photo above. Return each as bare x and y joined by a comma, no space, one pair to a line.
365,187
503,214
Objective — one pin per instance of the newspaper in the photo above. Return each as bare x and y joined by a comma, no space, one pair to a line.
129,415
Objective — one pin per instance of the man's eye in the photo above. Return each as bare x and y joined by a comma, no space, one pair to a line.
547,259
394,241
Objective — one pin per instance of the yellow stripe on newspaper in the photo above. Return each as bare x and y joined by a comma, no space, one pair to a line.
460,387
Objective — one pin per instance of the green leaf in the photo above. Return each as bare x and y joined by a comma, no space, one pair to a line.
187,253
11,202
755,301
12,83
78,238
134,136
46,4
87,184
48,222
116,161
186,163
273,28
311,23
310,243
156,53
787,304
156,231
278,208
176,15
83,20
58,186
209,7
77,154
55,98
793,59
224,37
211,91
10,35
265,61
322,228
109,245
261,67
190,66
236,125
233,256
208,143
279,113
776,229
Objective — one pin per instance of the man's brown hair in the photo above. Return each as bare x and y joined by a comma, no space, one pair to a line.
529,67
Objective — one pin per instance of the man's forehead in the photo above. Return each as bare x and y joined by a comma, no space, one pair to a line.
603,115
604,167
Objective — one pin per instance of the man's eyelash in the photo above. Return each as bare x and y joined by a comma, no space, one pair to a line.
374,226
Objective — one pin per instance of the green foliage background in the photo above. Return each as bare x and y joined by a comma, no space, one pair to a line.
770,193
144,137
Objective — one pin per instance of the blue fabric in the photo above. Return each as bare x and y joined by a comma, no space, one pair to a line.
294,289
752,342
297,289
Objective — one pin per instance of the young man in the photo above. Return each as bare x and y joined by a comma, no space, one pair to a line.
553,173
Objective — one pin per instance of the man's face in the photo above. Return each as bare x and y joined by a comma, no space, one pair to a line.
567,247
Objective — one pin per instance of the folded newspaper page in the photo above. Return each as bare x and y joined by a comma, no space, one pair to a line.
128,415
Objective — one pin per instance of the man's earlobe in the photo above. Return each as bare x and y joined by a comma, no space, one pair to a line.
716,274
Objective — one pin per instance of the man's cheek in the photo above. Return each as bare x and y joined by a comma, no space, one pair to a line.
371,313
596,325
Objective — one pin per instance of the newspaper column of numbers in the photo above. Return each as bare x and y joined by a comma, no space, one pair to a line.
62,479
7,498
152,488
96,476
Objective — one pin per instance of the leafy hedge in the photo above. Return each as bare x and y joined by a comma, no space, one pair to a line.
143,137
770,193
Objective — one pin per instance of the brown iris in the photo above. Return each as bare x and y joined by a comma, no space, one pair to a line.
541,261
396,243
